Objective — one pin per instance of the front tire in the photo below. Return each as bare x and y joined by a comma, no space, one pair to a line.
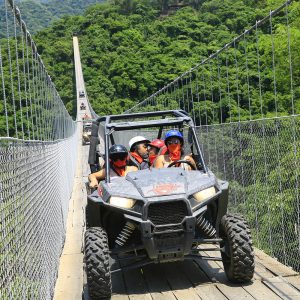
97,263
237,254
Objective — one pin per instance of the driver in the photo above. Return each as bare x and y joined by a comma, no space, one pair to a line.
118,160
174,143
138,155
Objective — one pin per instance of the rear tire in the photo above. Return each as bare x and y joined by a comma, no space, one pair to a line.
97,263
238,256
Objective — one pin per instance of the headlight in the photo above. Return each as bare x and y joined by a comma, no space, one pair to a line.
205,194
122,202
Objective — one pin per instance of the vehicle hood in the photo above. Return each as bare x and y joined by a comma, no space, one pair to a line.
159,182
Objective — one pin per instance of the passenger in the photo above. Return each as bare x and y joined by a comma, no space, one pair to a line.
118,160
85,116
174,143
155,149
138,155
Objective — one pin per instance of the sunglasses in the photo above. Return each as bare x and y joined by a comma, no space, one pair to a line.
116,156
175,142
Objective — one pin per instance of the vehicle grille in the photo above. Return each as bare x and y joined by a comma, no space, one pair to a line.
167,213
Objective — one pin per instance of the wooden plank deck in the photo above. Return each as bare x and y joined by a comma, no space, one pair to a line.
205,280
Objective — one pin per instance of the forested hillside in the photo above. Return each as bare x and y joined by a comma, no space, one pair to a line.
39,14
130,49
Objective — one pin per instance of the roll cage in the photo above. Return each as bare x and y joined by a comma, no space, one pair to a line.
158,119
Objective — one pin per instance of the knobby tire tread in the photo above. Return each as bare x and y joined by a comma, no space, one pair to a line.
239,267
97,263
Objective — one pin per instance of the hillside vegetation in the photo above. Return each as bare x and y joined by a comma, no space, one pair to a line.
39,14
129,49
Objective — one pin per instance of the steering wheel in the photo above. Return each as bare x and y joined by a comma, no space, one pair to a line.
181,161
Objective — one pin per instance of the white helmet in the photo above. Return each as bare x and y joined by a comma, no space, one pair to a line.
137,139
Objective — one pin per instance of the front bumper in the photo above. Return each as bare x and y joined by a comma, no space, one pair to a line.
168,242
164,238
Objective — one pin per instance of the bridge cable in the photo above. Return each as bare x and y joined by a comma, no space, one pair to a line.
248,125
38,153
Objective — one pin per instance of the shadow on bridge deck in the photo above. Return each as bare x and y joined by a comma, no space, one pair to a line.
204,280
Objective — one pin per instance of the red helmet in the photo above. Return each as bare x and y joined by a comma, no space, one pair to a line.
157,143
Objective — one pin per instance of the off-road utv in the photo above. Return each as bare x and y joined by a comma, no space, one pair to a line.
82,106
160,215
86,133
81,94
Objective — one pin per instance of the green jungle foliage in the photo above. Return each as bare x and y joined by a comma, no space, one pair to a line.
40,14
131,49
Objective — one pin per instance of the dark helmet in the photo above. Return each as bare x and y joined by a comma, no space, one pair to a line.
117,150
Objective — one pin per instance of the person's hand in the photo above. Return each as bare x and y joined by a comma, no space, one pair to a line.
191,160
93,184
188,158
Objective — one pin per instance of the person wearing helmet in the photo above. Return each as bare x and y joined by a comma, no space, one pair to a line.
138,155
118,160
174,142
156,148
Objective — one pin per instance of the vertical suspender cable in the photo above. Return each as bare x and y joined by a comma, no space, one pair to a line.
25,83
222,134
206,116
18,74
4,92
214,122
229,95
276,121
295,148
252,137
11,72
264,141
237,79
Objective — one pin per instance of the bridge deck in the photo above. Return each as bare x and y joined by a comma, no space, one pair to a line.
205,280
184,280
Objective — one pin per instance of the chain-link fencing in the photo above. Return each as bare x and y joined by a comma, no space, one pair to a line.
38,150
36,182
261,162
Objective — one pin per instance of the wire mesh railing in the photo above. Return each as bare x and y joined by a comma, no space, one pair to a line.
244,100
259,159
38,149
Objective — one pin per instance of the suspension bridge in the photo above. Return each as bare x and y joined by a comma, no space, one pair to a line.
43,167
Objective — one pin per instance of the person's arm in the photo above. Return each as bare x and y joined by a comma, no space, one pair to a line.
130,169
94,177
159,163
